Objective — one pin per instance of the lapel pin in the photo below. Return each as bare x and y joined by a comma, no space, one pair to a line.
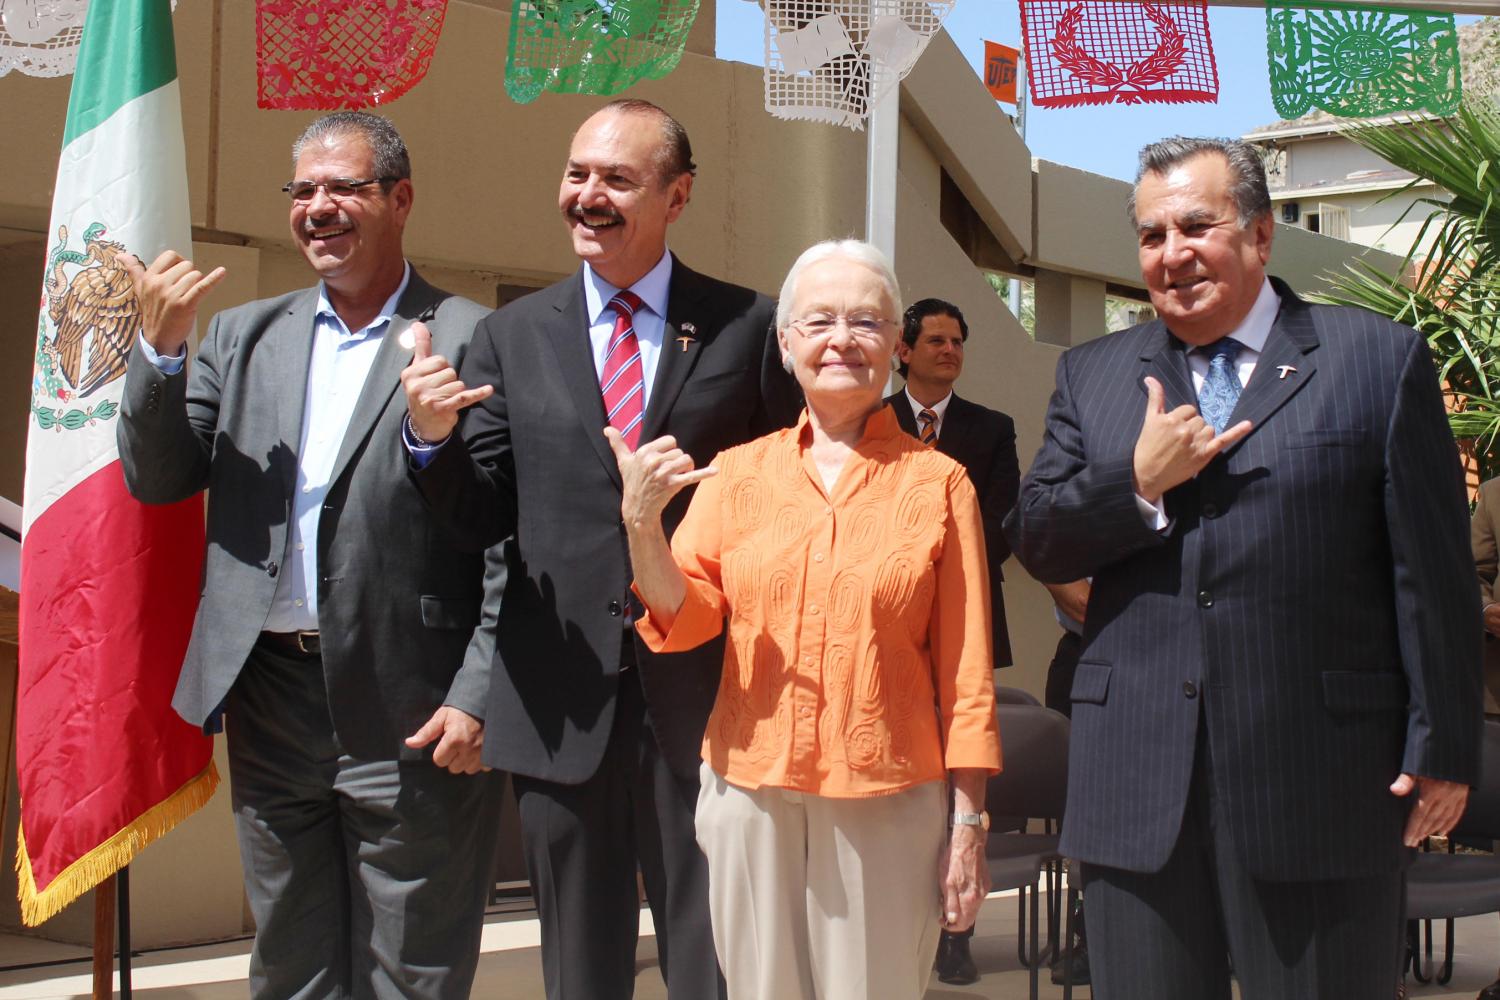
689,332
1285,370
407,340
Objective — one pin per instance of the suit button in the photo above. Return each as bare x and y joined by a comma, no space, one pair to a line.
614,609
1189,689
1205,599
1210,510
272,568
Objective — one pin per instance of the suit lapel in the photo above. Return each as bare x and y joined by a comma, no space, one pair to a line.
1286,365
569,340
686,319
293,358
419,301
1165,359
897,401
953,433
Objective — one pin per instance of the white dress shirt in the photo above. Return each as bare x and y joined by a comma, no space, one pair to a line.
940,408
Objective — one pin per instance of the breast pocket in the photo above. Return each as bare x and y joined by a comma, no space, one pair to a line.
1326,437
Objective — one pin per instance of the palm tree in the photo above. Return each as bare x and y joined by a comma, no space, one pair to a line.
1452,296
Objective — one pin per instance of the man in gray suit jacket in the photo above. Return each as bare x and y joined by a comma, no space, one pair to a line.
335,615
1280,681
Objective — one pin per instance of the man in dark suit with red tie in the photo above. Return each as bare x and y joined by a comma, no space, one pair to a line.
983,441
1278,693
602,737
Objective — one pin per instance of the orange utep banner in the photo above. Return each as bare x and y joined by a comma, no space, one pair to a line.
1000,62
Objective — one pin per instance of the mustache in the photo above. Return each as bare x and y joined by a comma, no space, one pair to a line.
333,219
578,212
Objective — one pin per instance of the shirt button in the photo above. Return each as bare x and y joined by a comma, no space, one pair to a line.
298,602
828,510
1210,510
807,662
1205,599
812,609
1189,689
307,489
806,712
300,547
818,557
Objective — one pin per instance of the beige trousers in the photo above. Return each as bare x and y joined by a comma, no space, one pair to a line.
817,898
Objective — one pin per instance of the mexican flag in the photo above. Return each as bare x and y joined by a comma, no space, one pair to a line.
108,585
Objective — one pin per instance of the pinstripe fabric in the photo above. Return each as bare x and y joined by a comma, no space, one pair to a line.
1167,935
1314,592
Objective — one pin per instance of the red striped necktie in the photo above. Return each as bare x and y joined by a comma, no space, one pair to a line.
621,381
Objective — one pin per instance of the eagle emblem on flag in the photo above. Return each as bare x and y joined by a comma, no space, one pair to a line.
87,321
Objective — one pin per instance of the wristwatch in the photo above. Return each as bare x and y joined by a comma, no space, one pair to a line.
979,819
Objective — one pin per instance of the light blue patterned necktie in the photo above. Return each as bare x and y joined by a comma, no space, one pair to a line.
1221,386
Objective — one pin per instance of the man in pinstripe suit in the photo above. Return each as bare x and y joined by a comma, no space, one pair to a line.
1279,690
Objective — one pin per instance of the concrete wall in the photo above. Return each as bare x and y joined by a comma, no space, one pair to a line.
485,221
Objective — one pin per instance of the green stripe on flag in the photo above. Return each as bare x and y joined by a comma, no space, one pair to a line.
126,51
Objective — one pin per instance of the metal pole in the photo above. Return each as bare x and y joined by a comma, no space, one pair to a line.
880,167
881,147
1015,283
122,880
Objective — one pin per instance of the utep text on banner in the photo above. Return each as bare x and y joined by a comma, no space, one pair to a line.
108,585
1000,63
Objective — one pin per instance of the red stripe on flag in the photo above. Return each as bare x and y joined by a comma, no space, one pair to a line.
109,587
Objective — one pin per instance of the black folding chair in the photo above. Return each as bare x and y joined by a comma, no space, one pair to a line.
1032,785
1446,885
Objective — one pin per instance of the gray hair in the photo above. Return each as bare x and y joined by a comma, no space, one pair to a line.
1247,187
391,158
857,251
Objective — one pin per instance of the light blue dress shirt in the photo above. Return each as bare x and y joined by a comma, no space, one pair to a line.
341,362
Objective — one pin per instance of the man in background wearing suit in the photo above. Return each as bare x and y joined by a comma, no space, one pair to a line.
332,631
1279,690
602,737
1484,533
983,441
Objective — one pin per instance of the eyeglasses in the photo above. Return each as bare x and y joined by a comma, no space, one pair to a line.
339,188
866,326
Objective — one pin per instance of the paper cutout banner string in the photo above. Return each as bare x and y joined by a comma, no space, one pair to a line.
1108,51
821,55
40,37
593,46
1361,62
327,54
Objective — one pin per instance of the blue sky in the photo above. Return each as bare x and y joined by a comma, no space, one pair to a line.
1104,139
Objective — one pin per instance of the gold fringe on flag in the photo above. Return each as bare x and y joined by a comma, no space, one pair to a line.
109,857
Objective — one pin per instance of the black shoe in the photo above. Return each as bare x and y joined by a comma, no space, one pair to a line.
954,964
1490,992
1080,967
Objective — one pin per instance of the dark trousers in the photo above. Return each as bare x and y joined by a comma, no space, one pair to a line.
1168,935
366,878
583,844
1059,695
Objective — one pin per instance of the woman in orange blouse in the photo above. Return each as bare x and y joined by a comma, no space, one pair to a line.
849,561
